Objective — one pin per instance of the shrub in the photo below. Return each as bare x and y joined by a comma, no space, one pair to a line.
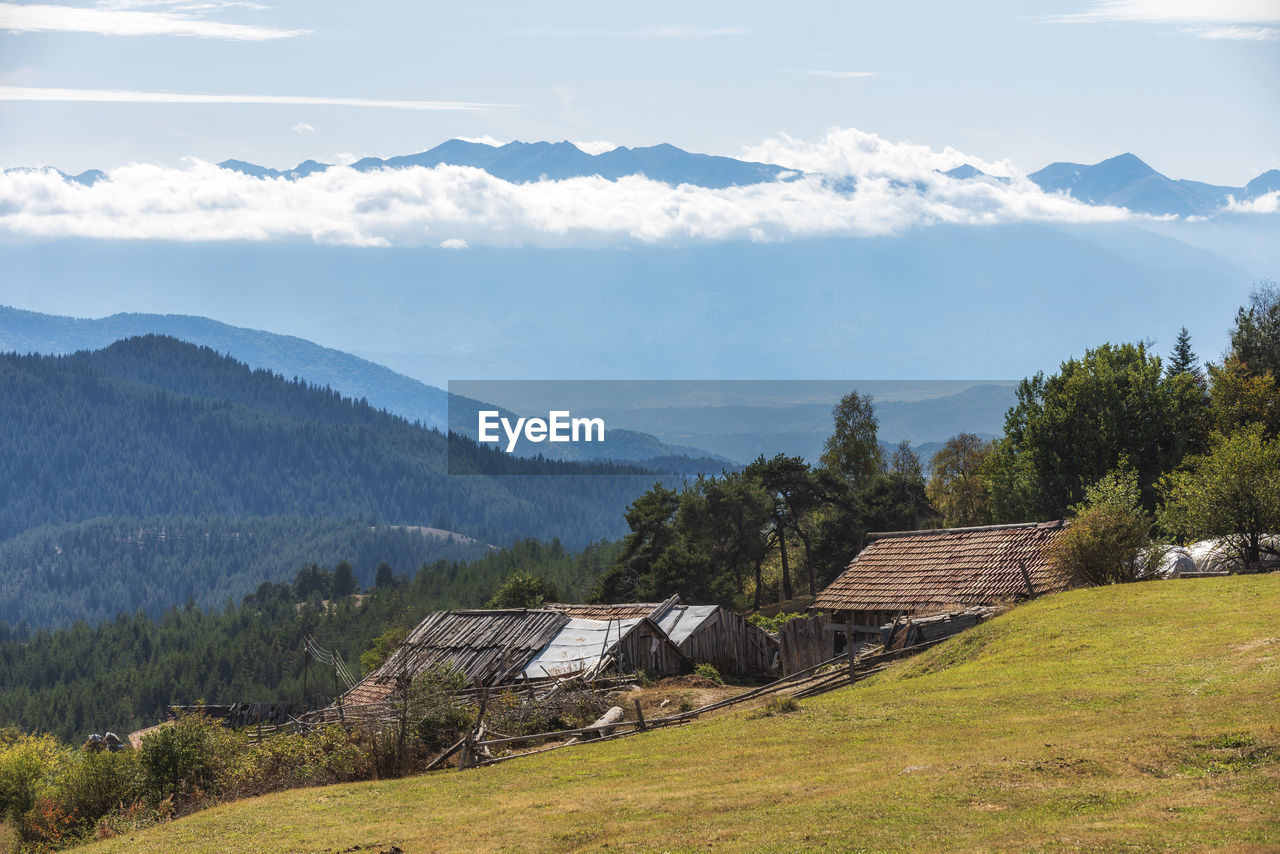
383,645
187,757
708,671
778,706
327,755
775,623
1107,540
94,784
28,766
439,718
523,590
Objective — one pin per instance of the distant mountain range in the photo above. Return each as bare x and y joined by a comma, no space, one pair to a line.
1122,181
1125,181
709,436
521,162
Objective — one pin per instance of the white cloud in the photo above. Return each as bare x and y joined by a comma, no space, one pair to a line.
594,146
453,243
483,140
450,205
1235,33
303,127
182,5
841,75
1175,11
664,32
30,18
115,96
1206,19
854,153
1268,203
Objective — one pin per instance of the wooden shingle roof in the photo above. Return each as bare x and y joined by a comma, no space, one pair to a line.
913,570
474,642
619,611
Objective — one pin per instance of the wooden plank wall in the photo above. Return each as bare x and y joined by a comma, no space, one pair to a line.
647,648
730,644
803,642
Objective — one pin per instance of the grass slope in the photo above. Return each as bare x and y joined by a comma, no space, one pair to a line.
1134,717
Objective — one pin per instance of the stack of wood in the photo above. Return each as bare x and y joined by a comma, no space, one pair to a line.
911,631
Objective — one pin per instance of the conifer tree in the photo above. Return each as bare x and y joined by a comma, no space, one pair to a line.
1183,360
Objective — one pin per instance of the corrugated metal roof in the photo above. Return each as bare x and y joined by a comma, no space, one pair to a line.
579,645
683,620
910,570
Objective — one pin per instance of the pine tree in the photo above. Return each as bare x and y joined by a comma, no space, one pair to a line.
1183,360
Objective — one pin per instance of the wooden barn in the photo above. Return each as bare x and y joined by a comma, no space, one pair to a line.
707,634
506,646
906,573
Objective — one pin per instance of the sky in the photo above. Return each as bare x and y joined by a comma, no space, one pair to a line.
1192,87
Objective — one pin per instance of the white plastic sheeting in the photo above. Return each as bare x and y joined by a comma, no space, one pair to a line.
1176,561
578,647
683,620
1208,556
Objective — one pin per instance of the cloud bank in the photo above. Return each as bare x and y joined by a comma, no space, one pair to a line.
870,187
118,96
1211,19
33,18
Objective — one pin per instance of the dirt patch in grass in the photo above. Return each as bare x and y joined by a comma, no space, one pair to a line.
676,694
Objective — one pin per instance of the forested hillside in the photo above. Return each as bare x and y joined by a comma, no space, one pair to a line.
94,570
289,356
152,427
121,674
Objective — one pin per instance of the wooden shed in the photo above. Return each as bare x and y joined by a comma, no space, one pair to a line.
707,634
911,572
498,647
902,573
474,642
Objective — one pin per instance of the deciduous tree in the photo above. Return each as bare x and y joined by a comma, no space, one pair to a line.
957,487
1230,493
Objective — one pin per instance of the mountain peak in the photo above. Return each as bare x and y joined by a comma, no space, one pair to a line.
1129,164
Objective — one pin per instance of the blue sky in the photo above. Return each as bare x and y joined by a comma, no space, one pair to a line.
1189,86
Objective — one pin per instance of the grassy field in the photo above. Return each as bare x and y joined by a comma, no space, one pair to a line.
1137,717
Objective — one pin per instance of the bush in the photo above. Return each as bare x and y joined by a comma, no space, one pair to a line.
775,623
708,671
1107,540
439,718
327,755
187,757
94,784
383,645
523,590
28,766
781,706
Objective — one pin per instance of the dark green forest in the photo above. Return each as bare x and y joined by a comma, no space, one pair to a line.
94,570
153,427
121,674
